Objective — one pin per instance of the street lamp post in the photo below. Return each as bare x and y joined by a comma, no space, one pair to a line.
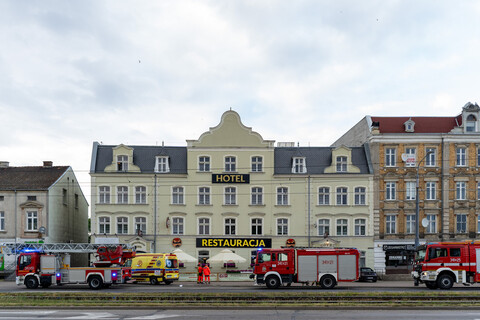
417,208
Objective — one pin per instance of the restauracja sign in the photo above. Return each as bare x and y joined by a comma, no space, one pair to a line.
233,243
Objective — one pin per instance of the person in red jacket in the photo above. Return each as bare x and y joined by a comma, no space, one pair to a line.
200,274
206,273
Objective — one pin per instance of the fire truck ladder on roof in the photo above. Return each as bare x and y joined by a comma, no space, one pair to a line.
11,248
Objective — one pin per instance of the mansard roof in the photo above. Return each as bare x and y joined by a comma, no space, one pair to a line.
422,124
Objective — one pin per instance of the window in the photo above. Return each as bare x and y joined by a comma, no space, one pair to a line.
461,157
230,226
432,223
161,165
478,190
32,221
230,164
204,226
65,196
461,223
411,153
104,225
230,196
204,195
299,165
390,224
257,196
2,198
360,227
410,190
122,163
323,196
390,157
257,164
2,221
471,124
204,164
32,198
390,193
341,164
122,225
141,225
177,195
122,194
461,190
342,195
76,200
342,227
282,227
360,196
455,252
478,157
282,196
323,227
257,227
177,225
431,190
203,255
141,194
410,222
104,194
430,160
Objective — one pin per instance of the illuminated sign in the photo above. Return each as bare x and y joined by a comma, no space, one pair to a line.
234,243
230,178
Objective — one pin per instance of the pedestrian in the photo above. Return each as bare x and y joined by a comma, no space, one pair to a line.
200,274
206,273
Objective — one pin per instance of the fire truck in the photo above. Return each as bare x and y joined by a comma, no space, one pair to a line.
323,267
441,264
47,264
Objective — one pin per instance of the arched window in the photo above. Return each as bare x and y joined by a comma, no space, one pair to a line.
471,123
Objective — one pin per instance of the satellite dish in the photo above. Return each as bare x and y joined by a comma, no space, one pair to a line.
424,222
42,230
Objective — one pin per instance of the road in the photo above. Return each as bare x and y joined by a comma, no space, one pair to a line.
389,286
129,314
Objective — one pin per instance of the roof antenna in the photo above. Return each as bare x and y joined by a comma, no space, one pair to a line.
163,143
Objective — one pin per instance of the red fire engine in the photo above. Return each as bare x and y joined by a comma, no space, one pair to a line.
319,266
441,264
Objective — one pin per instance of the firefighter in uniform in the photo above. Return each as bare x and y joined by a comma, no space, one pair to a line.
200,274
206,273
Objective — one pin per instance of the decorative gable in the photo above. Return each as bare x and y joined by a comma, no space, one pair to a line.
342,161
122,160
409,125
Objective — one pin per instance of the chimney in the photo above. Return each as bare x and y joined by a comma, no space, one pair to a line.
4,164
47,164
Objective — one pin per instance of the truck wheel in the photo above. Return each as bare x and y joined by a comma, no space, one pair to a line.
328,282
445,282
272,282
431,285
153,281
31,282
167,282
95,282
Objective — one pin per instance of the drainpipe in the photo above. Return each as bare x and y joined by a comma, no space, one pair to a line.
15,192
442,188
309,242
155,215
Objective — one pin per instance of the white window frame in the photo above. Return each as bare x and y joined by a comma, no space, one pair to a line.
360,226
461,219
162,164
390,224
390,190
431,159
230,196
104,224
324,196
104,194
299,165
411,151
230,226
178,225
204,195
341,227
461,157
204,226
390,157
140,195
257,163
230,163
204,163
431,190
461,190
410,224
342,196
142,222
256,226
432,223
122,225
323,227
2,220
122,163
122,194
282,196
471,125
410,190
360,196
178,195
341,162
282,226
256,196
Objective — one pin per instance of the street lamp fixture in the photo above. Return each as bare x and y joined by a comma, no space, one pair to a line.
417,208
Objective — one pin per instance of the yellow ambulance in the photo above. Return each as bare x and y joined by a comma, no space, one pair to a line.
155,267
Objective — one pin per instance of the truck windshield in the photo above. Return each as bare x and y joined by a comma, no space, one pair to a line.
264,257
420,254
171,263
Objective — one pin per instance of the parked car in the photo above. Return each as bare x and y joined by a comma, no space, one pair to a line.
367,274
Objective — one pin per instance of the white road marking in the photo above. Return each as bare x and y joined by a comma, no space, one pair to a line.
94,315
27,312
157,316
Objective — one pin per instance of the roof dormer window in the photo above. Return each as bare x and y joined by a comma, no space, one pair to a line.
162,165
299,165
122,163
409,125
471,124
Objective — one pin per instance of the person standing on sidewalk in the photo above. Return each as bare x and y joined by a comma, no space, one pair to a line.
206,273
200,274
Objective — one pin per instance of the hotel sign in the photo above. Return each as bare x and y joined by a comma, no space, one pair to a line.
234,243
230,178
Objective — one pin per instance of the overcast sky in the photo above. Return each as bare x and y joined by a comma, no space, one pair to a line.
143,72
